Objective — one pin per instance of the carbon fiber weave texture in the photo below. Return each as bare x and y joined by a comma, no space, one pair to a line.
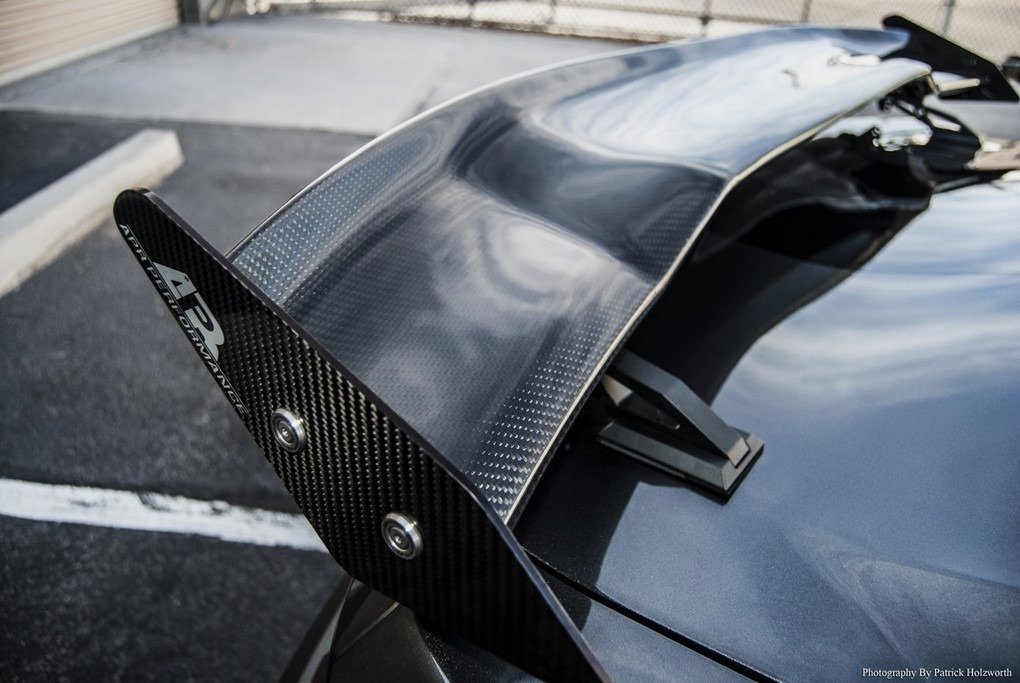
359,465
479,265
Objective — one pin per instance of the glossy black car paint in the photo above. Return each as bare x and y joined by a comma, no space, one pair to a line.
838,603
879,532
397,647
869,330
880,528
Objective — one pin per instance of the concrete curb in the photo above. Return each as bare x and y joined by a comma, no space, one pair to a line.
36,230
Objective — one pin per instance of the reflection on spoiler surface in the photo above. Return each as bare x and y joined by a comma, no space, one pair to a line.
408,338
478,266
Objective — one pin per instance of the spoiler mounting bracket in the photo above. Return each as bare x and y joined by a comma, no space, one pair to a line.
660,421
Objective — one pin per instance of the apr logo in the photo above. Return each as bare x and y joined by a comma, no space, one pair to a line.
191,312
194,307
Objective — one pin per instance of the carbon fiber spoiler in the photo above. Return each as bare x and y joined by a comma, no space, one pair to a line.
408,338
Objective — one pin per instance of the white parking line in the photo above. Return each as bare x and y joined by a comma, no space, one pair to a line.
158,512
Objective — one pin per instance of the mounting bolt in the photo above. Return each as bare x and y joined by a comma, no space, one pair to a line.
402,535
288,430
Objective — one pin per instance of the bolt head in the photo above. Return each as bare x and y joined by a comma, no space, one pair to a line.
288,430
402,535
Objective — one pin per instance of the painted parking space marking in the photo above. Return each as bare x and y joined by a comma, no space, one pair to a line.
158,512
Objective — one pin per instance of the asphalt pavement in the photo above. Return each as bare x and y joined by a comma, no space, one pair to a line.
100,389
296,72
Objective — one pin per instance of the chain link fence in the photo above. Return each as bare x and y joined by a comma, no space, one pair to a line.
990,27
